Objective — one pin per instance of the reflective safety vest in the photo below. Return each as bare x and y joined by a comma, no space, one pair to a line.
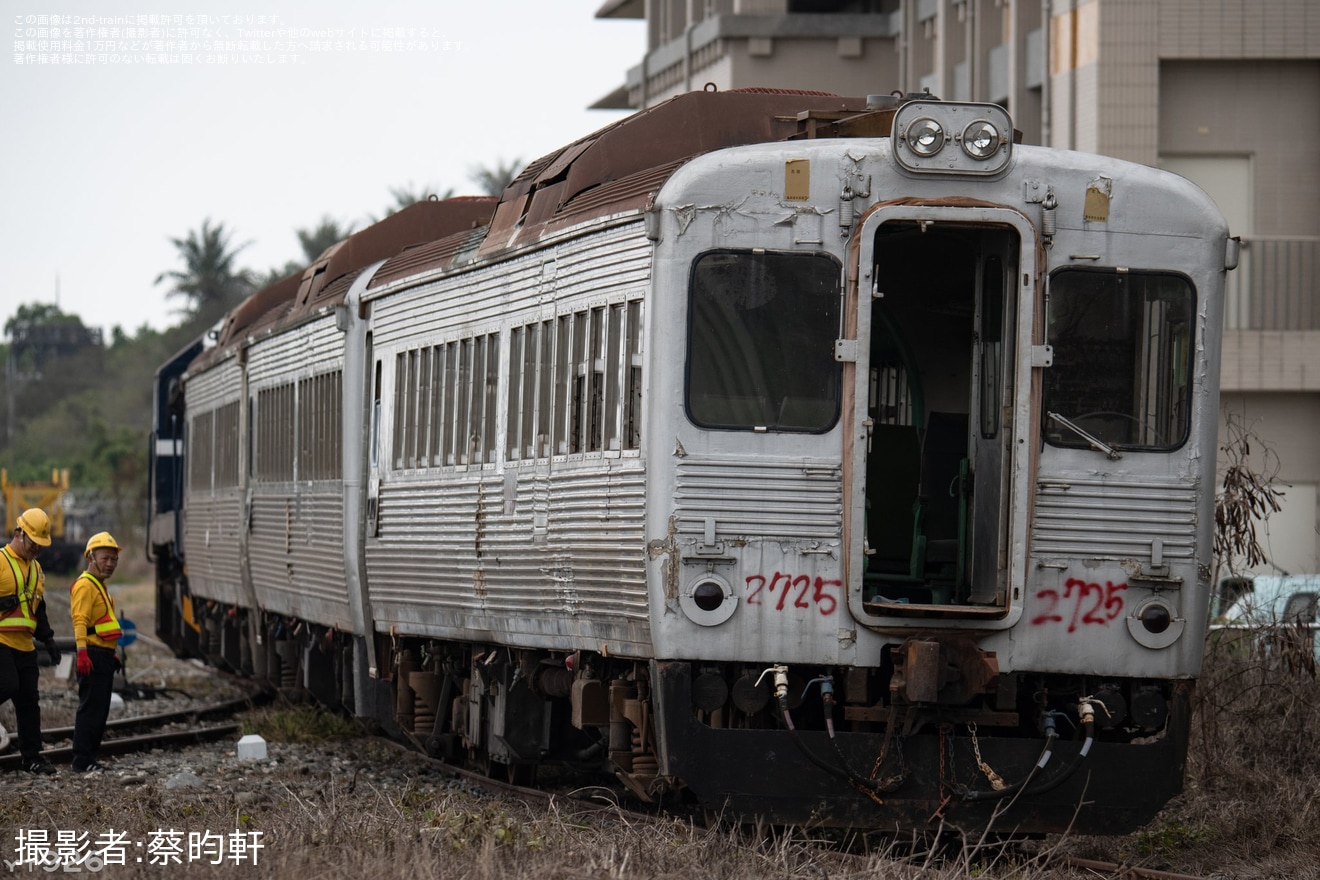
20,618
107,628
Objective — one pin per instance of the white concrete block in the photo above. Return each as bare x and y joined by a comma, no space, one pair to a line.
252,748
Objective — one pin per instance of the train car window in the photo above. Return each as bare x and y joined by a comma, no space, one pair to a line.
611,367
275,435
992,345
575,383
448,453
562,383
632,364
400,404
226,445
761,331
1122,359
521,390
320,427
200,439
436,408
375,420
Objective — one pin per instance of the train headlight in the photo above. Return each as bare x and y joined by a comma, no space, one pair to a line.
708,600
1155,623
922,131
924,137
981,139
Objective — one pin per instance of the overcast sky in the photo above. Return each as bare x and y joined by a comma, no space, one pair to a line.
104,162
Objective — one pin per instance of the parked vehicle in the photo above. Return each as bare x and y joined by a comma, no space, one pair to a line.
1278,609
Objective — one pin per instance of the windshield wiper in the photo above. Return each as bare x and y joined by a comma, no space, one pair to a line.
1097,444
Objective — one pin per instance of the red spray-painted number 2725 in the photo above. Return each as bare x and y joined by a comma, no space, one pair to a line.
1090,603
804,591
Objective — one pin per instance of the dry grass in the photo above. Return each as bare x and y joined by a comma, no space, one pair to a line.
1251,808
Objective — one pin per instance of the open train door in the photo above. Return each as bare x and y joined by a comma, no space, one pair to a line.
940,439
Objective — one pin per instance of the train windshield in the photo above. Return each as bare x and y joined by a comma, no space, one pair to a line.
1122,360
761,341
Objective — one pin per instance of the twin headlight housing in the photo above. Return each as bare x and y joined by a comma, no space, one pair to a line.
935,137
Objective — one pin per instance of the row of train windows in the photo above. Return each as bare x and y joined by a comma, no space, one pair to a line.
574,385
297,434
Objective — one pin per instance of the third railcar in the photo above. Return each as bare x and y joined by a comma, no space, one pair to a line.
837,463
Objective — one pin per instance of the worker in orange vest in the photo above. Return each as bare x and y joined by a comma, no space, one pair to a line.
22,623
96,631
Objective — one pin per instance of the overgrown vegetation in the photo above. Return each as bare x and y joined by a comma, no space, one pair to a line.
299,724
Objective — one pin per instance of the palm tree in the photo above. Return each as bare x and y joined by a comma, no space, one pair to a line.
492,179
327,232
407,195
209,283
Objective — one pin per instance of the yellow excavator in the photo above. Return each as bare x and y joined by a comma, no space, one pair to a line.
61,555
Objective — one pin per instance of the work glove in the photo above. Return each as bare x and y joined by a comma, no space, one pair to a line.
53,650
119,663
84,662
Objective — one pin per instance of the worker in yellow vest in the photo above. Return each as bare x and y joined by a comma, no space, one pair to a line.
96,631
22,623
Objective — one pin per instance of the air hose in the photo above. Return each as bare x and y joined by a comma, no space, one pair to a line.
1046,752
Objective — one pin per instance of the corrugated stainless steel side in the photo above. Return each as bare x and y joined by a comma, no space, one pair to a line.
296,553
217,386
295,543
212,519
1114,519
611,260
210,545
312,348
457,555
791,499
476,299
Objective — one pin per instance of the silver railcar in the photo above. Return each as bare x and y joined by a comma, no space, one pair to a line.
832,461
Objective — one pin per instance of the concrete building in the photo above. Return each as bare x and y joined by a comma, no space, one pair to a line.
1225,92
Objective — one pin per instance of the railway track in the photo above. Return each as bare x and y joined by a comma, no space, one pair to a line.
182,726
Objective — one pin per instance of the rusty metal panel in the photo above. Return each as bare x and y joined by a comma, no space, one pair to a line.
665,135
921,671
450,251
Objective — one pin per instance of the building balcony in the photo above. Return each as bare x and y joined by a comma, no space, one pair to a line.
1272,316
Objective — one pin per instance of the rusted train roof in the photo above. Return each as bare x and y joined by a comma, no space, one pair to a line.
327,280
542,198
415,225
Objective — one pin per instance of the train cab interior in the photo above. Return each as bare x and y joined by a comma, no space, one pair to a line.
940,392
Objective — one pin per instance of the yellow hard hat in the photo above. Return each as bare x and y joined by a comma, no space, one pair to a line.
36,525
100,539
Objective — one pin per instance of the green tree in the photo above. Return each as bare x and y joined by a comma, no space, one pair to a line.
210,282
314,241
39,332
409,194
492,179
